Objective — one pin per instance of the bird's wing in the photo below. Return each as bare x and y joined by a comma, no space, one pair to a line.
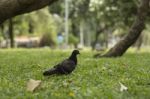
57,66
66,65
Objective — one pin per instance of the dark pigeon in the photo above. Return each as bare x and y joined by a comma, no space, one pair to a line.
65,67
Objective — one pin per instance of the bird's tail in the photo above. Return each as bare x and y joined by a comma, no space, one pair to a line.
50,72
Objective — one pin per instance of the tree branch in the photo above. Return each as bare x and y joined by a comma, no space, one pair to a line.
11,8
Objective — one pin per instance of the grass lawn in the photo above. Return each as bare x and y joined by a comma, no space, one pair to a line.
92,79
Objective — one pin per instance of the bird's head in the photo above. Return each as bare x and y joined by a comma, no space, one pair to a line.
75,52
73,56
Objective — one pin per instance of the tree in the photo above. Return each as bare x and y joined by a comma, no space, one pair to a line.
11,8
110,15
11,34
137,27
76,16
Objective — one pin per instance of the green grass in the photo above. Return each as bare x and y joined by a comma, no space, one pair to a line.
92,79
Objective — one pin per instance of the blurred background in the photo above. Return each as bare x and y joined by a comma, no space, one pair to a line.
93,24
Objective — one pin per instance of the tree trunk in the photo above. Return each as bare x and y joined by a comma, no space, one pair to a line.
11,8
137,27
98,32
11,33
2,30
31,28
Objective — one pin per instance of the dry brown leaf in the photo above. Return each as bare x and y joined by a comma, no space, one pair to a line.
33,84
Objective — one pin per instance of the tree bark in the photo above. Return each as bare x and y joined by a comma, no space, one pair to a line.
11,8
11,33
136,29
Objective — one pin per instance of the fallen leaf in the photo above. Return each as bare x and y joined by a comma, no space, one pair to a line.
122,87
33,84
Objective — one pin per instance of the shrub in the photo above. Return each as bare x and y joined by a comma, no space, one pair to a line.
73,40
47,40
